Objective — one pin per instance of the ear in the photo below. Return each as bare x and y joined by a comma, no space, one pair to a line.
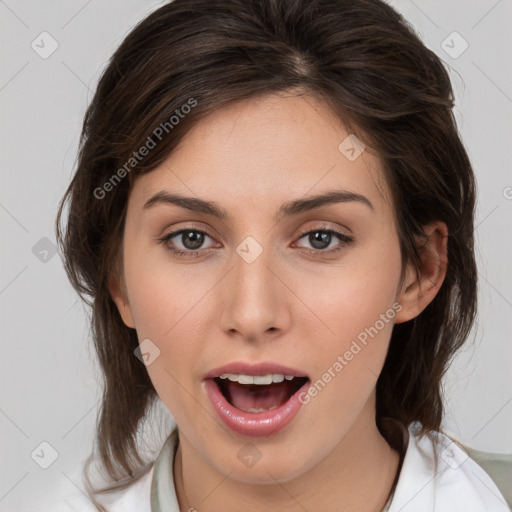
119,296
421,286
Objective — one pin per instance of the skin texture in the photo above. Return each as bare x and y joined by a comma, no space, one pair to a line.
295,304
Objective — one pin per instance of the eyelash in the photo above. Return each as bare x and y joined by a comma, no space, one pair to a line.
344,239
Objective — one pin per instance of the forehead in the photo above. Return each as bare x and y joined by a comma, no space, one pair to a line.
265,151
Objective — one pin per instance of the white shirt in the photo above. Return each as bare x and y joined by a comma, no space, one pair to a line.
458,485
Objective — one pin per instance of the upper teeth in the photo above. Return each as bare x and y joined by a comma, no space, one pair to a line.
256,379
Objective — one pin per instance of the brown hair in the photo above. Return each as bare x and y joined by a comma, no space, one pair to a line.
365,61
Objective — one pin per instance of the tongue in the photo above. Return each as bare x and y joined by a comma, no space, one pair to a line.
258,398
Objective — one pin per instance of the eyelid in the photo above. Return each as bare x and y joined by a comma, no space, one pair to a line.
325,227
187,227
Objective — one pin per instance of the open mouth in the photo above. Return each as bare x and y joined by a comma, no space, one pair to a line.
257,394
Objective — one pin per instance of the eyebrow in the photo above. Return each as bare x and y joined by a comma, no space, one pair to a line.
287,209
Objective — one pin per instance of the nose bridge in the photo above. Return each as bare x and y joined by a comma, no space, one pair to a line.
253,301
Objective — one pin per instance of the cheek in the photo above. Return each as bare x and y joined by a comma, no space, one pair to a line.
169,319
171,314
161,292
168,308
357,308
352,297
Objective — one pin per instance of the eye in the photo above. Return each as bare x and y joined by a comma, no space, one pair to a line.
190,238
322,237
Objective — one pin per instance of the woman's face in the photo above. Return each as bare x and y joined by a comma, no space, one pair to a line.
255,295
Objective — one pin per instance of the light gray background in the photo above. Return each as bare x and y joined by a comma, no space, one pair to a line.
49,380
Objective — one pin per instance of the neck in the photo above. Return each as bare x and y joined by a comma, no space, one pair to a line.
357,475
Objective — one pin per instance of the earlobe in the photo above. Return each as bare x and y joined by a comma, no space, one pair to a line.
421,285
119,296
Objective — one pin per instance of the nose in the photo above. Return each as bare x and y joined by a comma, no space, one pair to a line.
254,301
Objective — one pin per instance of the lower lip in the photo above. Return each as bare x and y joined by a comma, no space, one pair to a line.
257,424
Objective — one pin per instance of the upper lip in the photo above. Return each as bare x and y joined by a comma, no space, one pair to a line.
246,368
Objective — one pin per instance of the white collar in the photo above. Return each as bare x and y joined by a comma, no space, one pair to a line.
437,475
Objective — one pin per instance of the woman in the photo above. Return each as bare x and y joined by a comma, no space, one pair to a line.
272,219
